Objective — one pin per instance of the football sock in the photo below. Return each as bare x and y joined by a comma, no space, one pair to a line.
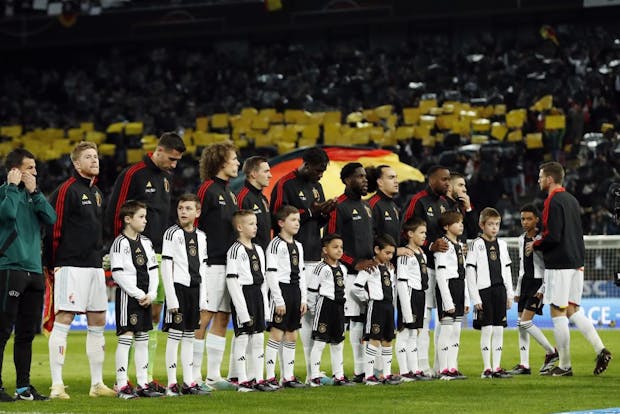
315,358
356,332
271,354
369,359
141,357
152,351
57,348
187,357
215,352
424,342
336,351
288,360
122,359
412,354
402,350
562,339
587,329
172,349
240,346
485,345
305,334
443,345
498,345
524,343
199,349
257,364
386,353
95,350
539,336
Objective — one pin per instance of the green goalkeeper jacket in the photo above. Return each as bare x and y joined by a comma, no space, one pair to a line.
21,217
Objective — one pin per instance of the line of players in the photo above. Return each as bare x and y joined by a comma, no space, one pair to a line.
297,281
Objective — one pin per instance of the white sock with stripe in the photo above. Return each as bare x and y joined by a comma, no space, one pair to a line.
57,349
141,357
122,359
561,333
95,350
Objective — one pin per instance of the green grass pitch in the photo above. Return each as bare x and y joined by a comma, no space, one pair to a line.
529,394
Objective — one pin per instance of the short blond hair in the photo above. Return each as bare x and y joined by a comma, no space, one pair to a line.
488,213
80,148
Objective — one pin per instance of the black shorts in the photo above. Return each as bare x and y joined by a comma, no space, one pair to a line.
328,324
359,318
380,321
291,321
256,308
188,316
457,291
529,287
418,303
493,307
130,316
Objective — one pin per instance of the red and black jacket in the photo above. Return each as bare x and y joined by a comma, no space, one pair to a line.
144,182
76,239
561,241
352,219
218,204
428,205
252,198
294,190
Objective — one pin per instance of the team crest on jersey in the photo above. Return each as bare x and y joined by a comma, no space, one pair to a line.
423,267
386,280
429,211
493,253
255,264
322,328
315,194
302,196
339,280
375,328
368,211
178,318
149,188
278,318
193,251
133,319
166,185
140,260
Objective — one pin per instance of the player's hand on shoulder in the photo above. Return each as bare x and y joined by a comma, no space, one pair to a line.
367,264
439,245
404,251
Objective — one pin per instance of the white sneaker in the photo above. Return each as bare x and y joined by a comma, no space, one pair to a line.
101,390
57,391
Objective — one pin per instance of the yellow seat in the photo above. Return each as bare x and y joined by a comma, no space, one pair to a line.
422,132
87,126
293,116
499,110
290,133
371,116
515,136
63,146
411,116
134,128
248,112
516,118
306,142
333,117
260,123
115,128
404,133
75,134
241,143
12,131
95,136
359,136
151,139
202,139
384,111
534,141
134,155
285,147
310,132
202,123
219,121
428,121
498,131
481,125
107,149
445,122
355,117
331,133
479,139
149,147
262,140
553,122
426,105
544,103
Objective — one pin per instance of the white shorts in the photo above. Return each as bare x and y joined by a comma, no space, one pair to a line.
564,286
430,292
218,299
80,290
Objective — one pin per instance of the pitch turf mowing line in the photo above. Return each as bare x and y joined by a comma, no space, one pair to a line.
532,394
